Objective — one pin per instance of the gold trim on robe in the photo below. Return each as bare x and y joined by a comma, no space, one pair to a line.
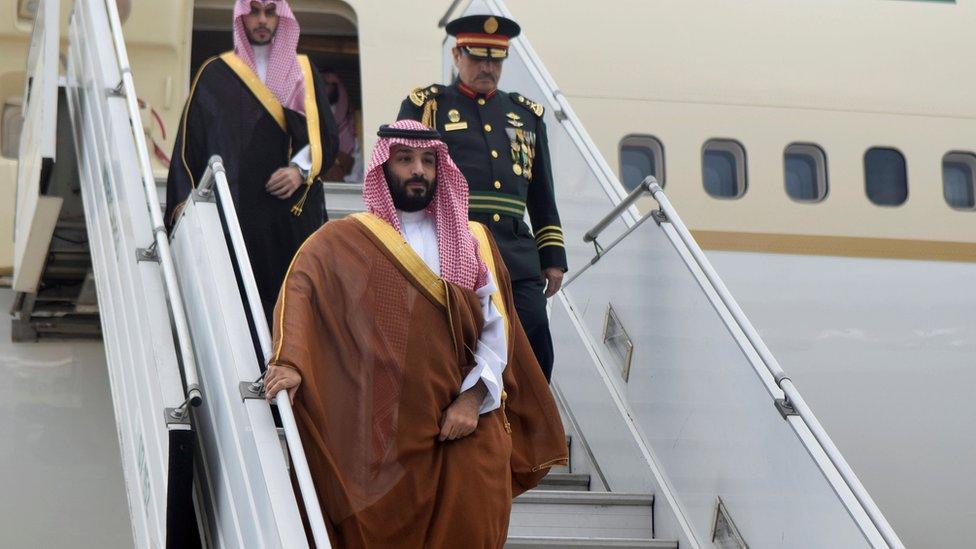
484,248
312,126
257,87
281,311
311,118
401,250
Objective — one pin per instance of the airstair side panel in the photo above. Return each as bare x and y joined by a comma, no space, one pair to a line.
244,481
667,390
36,215
144,372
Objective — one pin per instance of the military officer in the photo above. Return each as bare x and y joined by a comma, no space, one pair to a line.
498,140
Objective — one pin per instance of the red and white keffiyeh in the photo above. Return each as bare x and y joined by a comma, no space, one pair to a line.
456,246
284,76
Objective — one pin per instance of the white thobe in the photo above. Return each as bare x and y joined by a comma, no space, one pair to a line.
261,60
491,353
304,156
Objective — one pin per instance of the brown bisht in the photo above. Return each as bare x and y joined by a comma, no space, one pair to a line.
383,345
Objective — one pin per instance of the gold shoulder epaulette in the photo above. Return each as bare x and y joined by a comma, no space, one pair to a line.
419,96
536,108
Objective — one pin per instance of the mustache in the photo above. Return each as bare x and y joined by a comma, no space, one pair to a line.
418,179
487,75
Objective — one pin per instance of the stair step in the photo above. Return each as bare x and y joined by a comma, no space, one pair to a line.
342,199
583,515
565,481
560,470
573,497
520,542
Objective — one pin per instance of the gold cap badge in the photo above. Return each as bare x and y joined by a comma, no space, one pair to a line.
491,25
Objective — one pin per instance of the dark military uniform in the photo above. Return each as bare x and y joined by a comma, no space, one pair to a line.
499,143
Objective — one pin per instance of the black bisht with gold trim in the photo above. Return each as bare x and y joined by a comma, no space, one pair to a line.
499,142
231,113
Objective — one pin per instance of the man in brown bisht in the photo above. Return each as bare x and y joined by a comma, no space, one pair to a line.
420,403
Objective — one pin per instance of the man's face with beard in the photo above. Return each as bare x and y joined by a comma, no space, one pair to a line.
260,25
412,177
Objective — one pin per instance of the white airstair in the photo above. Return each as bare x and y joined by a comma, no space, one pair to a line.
563,512
683,429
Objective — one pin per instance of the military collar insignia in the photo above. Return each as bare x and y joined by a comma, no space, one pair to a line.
471,94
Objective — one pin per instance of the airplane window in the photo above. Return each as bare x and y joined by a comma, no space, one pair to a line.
959,180
885,176
640,156
805,168
724,168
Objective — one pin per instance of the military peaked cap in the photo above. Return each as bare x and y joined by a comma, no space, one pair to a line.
484,36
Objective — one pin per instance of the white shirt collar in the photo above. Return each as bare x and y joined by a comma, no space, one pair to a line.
421,235
412,217
261,54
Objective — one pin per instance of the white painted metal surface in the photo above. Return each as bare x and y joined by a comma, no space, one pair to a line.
883,352
36,215
247,493
582,515
125,90
802,418
142,360
699,397
252,300
342,199
528,542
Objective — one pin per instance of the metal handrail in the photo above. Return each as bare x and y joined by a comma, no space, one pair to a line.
618,210
793,397
216,176
442,22
794,401
160,245
644,187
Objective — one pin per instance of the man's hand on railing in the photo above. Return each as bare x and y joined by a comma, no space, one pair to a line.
281,378
554,279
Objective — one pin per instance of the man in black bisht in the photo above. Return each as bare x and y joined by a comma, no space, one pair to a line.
498,140
265,111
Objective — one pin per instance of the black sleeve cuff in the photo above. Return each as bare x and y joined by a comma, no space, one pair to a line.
553,255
